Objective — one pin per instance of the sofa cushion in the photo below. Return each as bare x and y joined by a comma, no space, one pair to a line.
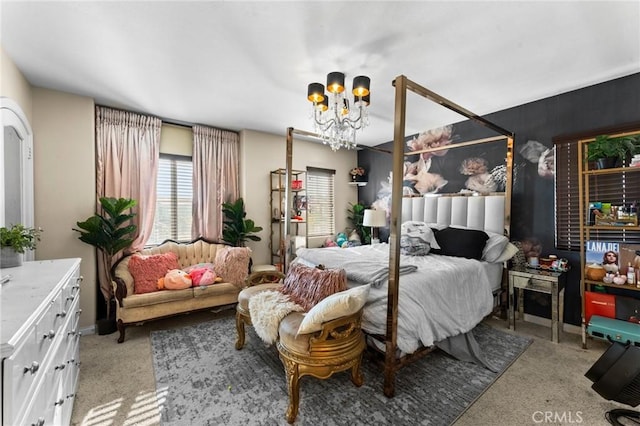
148,269
215,290
232,264
156,297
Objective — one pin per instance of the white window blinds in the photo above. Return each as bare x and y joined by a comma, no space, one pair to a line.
174,189
320,202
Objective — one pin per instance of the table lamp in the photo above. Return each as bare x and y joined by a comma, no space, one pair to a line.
374,219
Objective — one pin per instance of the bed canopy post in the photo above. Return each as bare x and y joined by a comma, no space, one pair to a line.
401,84
394,239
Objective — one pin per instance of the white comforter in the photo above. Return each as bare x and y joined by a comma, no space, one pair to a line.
445,297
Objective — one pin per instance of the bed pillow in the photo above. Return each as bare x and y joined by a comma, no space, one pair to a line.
460,242
232,264
146,270
307,286
494,247
509,251
337,305
416,239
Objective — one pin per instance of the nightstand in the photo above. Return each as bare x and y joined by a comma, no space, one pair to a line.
542,281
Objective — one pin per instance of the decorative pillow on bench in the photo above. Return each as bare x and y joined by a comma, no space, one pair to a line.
148,269
307,286
337,305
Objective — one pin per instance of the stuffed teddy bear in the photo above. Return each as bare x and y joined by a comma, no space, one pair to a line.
175,279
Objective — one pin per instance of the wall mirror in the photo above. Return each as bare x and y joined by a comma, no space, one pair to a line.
16,157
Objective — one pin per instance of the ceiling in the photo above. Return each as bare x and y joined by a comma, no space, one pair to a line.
246,65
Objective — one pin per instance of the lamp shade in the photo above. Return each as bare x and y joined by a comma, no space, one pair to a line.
315,92
374,218
361,85
335,82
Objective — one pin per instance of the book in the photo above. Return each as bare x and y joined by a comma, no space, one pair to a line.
603,253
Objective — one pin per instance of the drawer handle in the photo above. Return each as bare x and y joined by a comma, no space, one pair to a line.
59,367
40,422
79,311
50,335
62,314
71,333
32,369
59,402
71,395
71,297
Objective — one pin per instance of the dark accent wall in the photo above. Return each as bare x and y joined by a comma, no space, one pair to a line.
608,104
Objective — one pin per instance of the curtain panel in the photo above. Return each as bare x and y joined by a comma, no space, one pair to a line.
127,157
215,178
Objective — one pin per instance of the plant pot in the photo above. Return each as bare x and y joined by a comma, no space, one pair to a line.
9,258
606,163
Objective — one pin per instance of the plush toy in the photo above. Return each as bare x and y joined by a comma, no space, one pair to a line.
203,276
341,239
175,279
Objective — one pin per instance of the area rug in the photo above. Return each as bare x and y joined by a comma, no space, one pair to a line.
206,381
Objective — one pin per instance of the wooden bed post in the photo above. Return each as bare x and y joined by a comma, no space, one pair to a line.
394,236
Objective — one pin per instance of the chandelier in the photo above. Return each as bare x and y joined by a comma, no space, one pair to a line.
335,120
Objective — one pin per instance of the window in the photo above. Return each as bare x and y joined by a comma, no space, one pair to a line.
320,202
617,189
174,189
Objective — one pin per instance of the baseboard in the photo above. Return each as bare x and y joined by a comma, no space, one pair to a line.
567,328
88,330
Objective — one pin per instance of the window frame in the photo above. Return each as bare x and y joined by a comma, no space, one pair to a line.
174,234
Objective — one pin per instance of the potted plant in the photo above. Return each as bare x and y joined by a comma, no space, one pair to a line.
608,152
236,229
14,241
356,216
109,233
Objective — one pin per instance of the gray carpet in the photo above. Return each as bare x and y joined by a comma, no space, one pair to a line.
208,382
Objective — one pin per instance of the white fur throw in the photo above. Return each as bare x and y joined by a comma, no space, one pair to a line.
267,309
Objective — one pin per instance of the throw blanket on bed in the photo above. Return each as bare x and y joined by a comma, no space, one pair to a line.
445,296
267,310
373,269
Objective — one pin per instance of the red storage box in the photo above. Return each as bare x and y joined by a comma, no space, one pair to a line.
600,304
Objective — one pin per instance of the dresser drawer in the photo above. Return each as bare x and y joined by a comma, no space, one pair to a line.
71,289
20,371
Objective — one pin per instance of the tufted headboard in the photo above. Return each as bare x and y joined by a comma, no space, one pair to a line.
483,212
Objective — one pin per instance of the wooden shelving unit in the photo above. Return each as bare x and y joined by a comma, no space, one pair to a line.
587,186
277,205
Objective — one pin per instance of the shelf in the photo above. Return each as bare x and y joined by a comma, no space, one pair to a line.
611,171
623,286
612,227
358,183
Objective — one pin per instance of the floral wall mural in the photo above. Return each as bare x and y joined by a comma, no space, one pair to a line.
471,169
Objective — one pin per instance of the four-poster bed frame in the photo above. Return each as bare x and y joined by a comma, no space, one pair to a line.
391,362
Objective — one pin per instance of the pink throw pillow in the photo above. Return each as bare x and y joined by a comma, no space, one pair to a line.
232,264
148,269
307,286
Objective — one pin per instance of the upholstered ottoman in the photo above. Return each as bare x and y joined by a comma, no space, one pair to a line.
256,283
337,346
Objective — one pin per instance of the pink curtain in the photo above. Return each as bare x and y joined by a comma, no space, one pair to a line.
127,156
215,178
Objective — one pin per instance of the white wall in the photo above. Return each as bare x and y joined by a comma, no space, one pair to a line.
261,153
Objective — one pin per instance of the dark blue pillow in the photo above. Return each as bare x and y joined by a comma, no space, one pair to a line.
460,242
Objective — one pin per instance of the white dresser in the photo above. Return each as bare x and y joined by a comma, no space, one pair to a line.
40,342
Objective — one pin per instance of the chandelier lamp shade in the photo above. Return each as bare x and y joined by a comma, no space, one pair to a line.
335,119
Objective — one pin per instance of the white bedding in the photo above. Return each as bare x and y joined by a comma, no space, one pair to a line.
445,297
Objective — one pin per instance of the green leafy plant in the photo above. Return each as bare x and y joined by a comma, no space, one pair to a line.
19,238
109,233
236,229
607,147
356,217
